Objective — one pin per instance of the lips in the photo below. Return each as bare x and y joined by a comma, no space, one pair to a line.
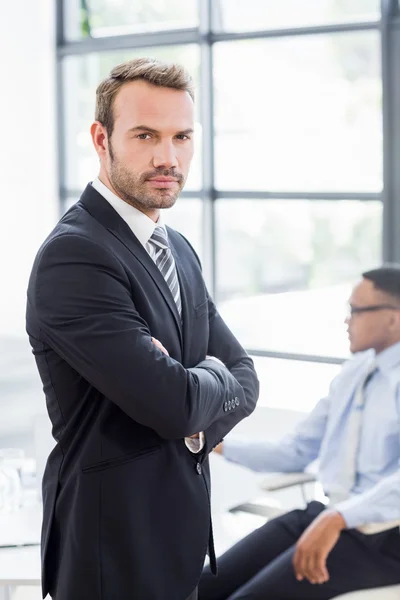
163,182
163,179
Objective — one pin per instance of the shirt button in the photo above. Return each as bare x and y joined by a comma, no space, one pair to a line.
198,468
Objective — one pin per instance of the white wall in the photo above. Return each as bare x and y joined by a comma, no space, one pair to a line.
28,182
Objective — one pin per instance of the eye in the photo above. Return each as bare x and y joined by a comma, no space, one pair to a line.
143,136
182,136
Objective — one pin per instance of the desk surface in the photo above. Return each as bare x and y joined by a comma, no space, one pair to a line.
20,566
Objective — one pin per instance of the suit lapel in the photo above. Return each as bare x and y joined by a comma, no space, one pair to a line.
103,212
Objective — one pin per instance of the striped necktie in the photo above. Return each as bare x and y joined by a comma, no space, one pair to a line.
164,260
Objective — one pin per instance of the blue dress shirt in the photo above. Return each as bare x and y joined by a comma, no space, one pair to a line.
375,497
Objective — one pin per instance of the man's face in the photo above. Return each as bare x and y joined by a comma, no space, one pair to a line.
148,155
371,329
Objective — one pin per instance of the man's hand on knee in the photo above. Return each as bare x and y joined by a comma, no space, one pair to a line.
314,546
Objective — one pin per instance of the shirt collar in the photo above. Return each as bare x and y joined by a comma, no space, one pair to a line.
141,225
388,358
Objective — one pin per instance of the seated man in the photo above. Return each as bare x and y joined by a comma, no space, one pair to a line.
354,543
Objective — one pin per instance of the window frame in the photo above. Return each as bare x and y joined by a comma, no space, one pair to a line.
205,36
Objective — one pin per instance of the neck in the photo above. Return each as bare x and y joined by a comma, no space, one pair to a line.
386,345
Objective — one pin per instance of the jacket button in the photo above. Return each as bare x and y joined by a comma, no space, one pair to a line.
198,468
237,401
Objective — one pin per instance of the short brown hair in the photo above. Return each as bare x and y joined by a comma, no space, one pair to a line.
147,69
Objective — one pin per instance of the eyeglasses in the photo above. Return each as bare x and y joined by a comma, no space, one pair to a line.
356,310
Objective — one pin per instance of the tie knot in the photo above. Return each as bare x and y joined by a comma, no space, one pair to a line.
159,237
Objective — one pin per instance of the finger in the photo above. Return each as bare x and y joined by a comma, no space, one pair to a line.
322,568
160,346
312,567
309,568
304,566
297,561
315,570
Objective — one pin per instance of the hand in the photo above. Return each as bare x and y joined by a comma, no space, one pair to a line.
219,449
314,546
216,359
160,346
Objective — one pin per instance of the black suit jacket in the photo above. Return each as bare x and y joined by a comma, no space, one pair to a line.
126,504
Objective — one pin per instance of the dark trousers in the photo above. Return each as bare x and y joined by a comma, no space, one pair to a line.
259,567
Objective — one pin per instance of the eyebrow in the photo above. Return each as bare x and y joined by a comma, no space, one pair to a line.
151,130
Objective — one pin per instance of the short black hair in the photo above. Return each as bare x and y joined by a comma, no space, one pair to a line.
386,278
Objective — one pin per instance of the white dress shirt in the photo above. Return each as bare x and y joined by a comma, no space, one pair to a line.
143,227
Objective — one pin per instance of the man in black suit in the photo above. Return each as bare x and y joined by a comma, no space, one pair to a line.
142,377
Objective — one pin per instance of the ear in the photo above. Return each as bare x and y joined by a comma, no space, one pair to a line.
99,137
395,320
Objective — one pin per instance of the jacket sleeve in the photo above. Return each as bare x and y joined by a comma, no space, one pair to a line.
82,298
224,345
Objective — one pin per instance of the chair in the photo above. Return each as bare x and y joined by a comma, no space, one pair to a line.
273,483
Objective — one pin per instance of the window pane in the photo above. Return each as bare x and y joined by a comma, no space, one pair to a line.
120,17
187,218
304,113
285,269
293,384
276,14
82,74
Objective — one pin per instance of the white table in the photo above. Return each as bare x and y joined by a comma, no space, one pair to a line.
18,566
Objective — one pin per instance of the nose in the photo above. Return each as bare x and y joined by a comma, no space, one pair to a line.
165,155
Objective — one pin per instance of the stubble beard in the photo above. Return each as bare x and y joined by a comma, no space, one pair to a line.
134,190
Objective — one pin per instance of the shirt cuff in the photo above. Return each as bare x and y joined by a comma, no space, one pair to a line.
195,445
354,513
